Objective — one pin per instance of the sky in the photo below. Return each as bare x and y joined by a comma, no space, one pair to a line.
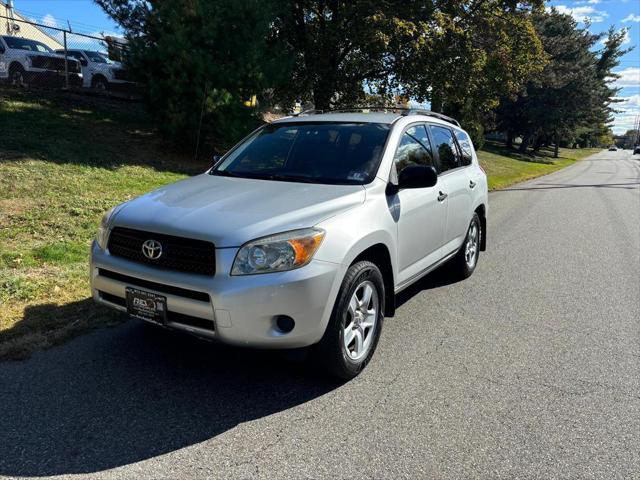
621,14
87,17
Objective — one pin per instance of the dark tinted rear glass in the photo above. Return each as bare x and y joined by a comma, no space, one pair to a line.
445,145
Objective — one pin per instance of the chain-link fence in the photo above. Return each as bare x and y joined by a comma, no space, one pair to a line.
34,54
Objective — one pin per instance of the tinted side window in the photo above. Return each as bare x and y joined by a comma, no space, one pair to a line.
466,146
76,55
414,149
446,147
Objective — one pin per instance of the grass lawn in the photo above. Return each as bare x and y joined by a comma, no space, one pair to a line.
505,167
64,161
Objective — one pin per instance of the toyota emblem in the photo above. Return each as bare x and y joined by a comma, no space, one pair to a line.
152,249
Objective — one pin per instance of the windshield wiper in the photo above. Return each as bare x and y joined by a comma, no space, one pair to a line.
225,173
289,178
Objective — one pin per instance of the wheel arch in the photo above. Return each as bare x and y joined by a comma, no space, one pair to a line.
15,64
98,76
481,210
379,255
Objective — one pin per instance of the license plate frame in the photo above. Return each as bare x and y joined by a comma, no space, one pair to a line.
146,305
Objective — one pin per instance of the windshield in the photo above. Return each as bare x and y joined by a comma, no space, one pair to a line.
333,153
26,44
97,57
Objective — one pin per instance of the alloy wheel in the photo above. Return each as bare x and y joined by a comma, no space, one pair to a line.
361,320
472,244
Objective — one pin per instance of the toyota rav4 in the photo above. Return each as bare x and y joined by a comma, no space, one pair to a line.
301,235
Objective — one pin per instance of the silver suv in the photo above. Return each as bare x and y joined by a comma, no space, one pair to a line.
301,235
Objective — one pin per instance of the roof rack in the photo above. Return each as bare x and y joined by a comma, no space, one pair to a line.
404,111
429,113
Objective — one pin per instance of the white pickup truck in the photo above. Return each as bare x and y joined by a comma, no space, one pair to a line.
99,72
24,61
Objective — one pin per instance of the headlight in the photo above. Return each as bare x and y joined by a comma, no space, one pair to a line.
278,253
103,230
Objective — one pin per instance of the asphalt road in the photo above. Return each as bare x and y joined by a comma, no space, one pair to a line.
529,369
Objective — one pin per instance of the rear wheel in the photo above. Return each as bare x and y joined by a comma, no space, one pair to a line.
465,261
356,322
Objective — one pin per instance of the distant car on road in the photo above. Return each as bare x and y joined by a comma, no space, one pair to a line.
99,72
613,148
301,235
636,150
24,61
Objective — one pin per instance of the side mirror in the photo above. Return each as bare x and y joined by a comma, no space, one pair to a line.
83,62
417,176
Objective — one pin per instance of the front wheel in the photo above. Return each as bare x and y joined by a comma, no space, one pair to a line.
355,324
17,76
465,261
99,83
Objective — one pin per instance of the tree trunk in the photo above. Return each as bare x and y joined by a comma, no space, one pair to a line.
322,97
557,145
537,143
526,138
436,101
509,139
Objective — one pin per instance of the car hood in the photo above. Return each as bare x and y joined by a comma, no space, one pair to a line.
232,211
49,54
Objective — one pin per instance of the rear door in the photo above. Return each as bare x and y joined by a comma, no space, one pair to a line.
422,217
454,183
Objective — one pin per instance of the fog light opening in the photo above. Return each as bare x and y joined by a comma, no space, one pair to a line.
284,323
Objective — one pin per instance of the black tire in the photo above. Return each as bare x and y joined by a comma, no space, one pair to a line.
331,354
460,265
99,83
17,76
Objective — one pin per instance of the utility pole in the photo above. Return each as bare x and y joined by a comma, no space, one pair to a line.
12,26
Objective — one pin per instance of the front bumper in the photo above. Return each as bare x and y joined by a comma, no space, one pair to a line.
40,77
240,310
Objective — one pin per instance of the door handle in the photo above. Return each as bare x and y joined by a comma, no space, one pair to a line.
442,196
472,184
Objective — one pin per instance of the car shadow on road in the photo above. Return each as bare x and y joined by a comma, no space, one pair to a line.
440,277
132,392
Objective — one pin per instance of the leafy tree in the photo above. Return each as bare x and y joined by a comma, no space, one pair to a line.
341,47
469,55
572,90
201,58
459,55
631,138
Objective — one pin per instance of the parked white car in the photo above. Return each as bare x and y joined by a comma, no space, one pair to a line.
24,61
301,235
99,72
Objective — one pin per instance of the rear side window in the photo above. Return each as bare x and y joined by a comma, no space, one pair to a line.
76,55
445,145
414,149
466,147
